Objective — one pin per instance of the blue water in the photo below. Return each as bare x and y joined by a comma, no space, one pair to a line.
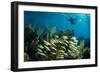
60,21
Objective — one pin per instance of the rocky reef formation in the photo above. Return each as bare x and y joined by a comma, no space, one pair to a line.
42,44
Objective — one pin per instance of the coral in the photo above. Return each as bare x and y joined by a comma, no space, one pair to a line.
53,46
26,57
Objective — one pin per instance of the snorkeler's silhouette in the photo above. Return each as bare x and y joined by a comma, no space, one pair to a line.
72,20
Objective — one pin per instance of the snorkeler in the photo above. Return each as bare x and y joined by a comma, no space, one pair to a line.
72,20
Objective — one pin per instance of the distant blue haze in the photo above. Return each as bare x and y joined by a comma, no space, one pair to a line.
60,21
